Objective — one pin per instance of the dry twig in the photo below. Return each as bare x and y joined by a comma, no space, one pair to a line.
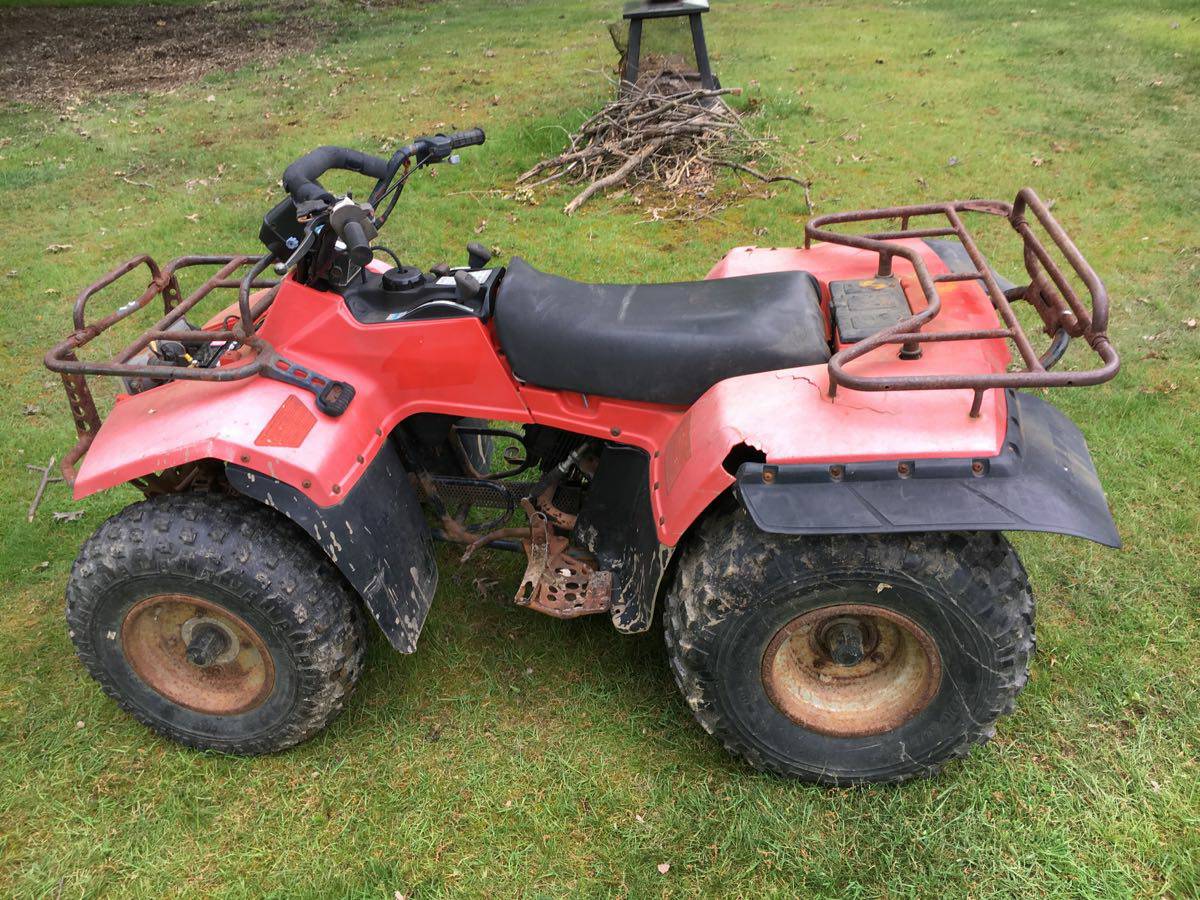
666,133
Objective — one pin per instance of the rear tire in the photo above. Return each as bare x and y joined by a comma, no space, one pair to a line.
215,621
940,637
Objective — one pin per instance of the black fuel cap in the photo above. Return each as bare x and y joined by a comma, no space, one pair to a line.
403,278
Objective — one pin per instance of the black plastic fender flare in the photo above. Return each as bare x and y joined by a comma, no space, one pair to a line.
1042,480
377,536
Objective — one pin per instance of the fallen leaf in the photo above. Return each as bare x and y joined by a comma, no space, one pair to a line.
664,868
211,98
1190,323
1037,161
481,226
32,409
59,248
194,217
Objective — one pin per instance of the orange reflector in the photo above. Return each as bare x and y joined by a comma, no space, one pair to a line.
289,426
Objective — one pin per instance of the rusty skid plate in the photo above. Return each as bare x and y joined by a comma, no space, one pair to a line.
555,582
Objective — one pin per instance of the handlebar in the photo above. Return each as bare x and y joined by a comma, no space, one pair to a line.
300,178
357,224
468,138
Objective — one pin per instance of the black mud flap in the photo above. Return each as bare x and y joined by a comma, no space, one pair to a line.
1043,480
616,524
376,536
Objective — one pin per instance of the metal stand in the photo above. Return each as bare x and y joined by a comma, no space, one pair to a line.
638,11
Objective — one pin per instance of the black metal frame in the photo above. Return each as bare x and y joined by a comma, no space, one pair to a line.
637,12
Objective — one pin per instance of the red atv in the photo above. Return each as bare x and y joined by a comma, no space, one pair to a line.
806,460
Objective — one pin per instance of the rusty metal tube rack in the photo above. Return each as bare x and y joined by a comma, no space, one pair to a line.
164,282
1064,315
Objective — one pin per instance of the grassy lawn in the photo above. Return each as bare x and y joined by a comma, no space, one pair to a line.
516,755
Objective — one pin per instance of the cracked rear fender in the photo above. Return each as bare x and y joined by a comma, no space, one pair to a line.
1042,479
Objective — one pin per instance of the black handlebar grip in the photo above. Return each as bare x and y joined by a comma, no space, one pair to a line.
468,138
300,178
356,243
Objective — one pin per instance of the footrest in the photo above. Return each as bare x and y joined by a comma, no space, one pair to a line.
864,307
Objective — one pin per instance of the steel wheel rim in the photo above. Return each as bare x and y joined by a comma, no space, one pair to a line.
154,638
897,677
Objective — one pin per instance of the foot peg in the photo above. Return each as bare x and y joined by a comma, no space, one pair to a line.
555,582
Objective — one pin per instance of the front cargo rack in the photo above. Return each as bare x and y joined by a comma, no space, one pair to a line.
1062,312
164,283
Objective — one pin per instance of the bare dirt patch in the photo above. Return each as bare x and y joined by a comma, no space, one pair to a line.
59,55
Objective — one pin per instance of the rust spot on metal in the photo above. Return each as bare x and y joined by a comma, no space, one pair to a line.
545,505
239,673
893,673
1064,314
557,582
164,283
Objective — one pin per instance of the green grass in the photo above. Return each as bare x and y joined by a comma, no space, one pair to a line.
515,755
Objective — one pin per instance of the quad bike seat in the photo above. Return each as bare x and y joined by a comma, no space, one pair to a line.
658,343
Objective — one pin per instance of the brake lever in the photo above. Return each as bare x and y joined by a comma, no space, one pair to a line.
310,235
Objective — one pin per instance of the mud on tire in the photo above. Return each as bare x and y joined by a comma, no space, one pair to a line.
950,612
286,633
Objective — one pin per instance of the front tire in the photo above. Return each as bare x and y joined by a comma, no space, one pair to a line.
848,659
215,621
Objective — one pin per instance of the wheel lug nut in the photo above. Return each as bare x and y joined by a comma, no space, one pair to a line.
206,646
844,641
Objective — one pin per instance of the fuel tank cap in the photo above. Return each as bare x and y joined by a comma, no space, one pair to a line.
403,278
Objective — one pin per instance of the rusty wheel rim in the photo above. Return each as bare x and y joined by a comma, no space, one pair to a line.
896,677
237,675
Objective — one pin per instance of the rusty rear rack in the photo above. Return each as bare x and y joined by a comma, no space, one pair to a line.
1064,315
164,283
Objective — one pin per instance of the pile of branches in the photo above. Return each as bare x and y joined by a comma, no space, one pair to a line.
663,134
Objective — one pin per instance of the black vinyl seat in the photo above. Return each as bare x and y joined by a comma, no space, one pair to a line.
659,343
